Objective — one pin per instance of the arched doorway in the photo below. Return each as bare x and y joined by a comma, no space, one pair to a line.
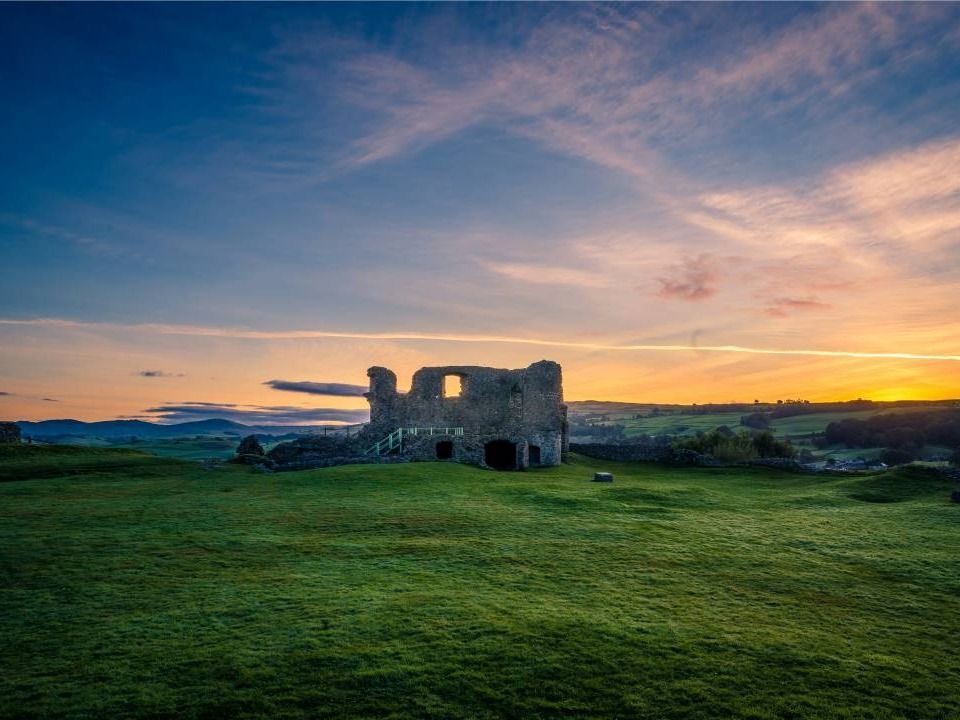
444,450
500,455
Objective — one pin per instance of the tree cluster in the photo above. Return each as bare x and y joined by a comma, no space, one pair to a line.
757,421
895,456
724,444
791,408
906,432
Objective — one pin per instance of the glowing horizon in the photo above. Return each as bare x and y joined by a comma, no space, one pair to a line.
681,203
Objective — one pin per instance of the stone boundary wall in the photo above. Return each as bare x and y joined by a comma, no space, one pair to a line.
640,453
674,456
314,463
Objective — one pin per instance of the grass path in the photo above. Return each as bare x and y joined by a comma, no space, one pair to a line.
141,587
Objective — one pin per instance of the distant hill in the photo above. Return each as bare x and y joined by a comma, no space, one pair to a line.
580,408
116,429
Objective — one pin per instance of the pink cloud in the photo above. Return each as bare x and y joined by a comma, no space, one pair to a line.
783,306
694,279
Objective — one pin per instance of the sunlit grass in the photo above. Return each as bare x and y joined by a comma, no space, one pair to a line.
138,586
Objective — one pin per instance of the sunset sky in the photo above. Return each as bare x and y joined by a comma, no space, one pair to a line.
203,207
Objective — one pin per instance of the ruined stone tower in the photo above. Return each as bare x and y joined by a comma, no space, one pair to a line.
503,419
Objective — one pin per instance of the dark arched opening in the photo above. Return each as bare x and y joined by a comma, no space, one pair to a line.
534,454
500,455
444,450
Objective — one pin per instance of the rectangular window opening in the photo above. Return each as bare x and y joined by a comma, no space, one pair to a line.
452,386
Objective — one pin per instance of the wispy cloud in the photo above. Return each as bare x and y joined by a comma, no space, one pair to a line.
318,388
253,414
548,274
158,374
42,399
873,220
614,105
198,331
783,306
587,84
80,241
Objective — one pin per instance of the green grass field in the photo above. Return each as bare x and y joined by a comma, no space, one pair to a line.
204,447
137,586
188,448
182,448
691,423
674,424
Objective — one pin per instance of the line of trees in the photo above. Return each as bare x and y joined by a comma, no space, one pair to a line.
902,431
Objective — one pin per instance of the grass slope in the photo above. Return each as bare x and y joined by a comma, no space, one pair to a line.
135,586
188,448
185,448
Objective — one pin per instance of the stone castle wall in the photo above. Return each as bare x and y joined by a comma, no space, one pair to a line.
523,407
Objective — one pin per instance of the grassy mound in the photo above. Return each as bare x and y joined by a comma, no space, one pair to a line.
32,462
901,485
136,586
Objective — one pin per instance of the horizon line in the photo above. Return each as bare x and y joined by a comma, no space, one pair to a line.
343,424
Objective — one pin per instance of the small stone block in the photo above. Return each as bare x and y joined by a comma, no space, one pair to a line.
603,477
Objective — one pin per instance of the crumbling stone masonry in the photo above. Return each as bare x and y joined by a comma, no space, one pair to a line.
511,419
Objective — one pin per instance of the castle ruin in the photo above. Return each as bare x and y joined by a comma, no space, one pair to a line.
500,419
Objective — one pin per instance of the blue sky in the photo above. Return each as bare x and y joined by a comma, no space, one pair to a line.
776,176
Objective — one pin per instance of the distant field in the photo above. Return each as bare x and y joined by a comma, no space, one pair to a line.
817,422
188,448
184,444
691,423
677,424
137,586
796,428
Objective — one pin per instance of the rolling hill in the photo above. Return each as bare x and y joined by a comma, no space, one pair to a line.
118,429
